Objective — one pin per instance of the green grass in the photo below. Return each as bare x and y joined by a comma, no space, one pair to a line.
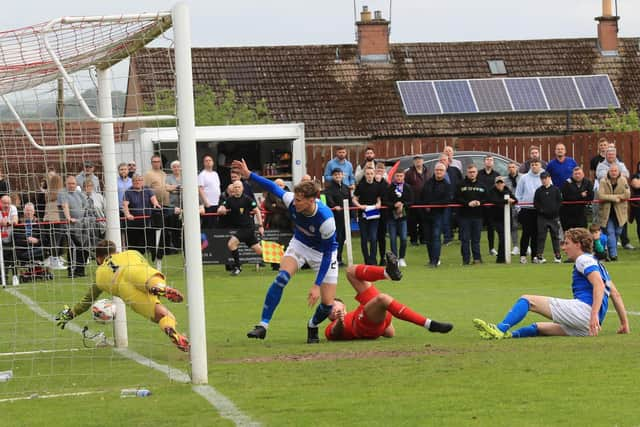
415,378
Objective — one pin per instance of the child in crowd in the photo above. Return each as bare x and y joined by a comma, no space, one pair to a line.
599,242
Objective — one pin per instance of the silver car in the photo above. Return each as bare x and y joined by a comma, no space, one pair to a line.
466,157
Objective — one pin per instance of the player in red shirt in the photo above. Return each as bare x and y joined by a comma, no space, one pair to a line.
372,318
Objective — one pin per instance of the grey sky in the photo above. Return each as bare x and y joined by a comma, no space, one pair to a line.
278,22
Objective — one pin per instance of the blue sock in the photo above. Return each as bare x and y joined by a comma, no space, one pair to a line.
322,312
274,294
517,313
526,332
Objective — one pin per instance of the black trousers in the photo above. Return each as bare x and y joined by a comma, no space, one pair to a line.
553,225
338,217
491,231
414,226
528,219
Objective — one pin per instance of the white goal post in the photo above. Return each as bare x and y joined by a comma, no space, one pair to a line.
43,53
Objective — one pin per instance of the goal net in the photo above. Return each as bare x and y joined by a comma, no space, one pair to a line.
69,102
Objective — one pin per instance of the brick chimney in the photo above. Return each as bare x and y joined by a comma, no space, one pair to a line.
607,29
373,37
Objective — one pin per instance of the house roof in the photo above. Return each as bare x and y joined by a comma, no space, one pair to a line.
335,95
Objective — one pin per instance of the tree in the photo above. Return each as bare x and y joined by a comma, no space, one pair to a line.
618,121
211,108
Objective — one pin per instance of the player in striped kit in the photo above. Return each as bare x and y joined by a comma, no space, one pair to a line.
313,242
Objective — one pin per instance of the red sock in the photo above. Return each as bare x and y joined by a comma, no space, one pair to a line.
403,312
370,273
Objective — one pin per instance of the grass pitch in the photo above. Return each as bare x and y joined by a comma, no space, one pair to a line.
415,378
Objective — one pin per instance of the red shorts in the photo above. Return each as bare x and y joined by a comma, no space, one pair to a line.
356,323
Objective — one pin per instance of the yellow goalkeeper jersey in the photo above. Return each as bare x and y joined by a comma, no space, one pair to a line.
124,275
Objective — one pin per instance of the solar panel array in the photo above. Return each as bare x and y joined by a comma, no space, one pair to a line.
499,95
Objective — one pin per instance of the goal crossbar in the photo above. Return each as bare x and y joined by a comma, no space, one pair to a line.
35,55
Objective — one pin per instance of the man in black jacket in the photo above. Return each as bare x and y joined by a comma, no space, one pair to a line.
335,193
455,177
470,194
496,196
575,189
547,201
436,191
486,178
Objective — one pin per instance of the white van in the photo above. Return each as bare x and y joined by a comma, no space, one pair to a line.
273,150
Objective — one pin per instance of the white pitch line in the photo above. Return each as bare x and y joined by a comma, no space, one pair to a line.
633,313
21,353
49,396
225,407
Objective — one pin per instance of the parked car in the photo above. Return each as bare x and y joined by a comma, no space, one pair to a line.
500,162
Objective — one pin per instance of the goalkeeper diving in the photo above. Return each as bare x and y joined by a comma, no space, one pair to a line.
129,276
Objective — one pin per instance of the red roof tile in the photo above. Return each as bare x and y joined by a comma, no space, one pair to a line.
336,98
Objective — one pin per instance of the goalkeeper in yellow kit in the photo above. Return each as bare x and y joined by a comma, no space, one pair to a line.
129,276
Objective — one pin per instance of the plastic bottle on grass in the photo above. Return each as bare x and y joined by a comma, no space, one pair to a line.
134,392
6,376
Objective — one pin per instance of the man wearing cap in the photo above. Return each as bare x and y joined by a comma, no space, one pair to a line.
496,196
547,201
88,173
336,193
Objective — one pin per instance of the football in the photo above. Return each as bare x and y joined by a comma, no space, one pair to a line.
103,311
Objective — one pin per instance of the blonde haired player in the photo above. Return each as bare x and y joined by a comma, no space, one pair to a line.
129,276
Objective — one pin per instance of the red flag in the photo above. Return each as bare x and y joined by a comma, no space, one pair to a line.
392,171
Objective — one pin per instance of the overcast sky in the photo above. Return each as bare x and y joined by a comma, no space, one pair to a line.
296,22
278,22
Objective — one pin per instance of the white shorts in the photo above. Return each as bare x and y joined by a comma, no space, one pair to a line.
572,315
303,253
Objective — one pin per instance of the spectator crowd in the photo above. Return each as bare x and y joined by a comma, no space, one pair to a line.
417,206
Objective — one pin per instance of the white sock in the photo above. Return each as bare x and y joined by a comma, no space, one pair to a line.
427,323
264,325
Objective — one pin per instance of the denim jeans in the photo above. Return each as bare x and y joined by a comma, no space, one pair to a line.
470,230
433,227
398,228
613,231
368,240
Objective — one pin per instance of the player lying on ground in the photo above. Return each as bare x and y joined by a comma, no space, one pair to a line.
583,315
129,276
313,242
372,318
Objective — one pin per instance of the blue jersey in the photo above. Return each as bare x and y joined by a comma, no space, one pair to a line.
317,231
561,171
582,288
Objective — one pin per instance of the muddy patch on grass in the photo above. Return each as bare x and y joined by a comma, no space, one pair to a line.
310,357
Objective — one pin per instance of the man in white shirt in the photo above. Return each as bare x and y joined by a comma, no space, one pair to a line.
8,218
209,189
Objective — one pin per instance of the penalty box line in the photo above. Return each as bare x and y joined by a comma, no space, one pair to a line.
225,407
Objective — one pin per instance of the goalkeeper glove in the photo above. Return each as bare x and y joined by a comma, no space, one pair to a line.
64,316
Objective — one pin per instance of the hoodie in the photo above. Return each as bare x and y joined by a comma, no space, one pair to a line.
527,187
